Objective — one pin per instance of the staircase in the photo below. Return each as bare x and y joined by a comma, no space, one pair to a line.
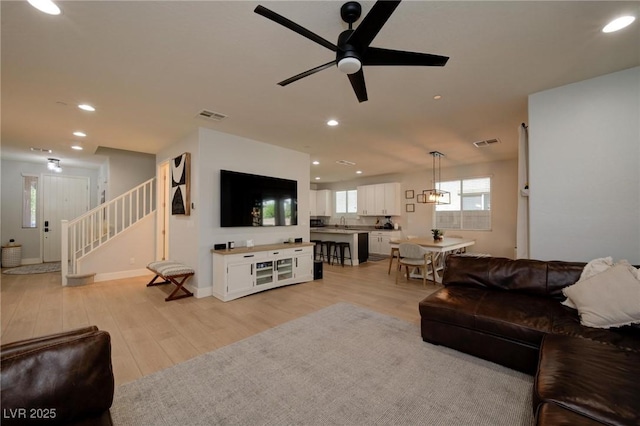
95,228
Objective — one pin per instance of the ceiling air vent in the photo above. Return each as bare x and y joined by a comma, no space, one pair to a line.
346,163
210,115
486,142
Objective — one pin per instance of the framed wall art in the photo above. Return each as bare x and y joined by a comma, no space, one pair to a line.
421,198
181,185
411,208
409,194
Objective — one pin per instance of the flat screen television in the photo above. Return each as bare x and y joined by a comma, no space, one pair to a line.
253,200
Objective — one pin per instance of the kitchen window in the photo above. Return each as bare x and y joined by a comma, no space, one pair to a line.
470,207
347,201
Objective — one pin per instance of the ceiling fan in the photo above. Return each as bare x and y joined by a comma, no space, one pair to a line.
353,50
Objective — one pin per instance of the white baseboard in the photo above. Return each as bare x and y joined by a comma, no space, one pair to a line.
107,276
32,261
200,292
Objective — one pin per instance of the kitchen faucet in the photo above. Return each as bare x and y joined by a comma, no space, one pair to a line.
343,221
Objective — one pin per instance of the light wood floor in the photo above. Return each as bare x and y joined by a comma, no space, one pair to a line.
149,334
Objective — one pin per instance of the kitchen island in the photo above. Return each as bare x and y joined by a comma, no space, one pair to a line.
358,240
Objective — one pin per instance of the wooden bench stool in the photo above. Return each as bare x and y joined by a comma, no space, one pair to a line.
171,272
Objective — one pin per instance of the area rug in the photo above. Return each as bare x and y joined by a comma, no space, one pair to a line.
342,365
377,257
39,268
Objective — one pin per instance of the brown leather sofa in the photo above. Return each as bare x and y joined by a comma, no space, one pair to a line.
59,379
509,312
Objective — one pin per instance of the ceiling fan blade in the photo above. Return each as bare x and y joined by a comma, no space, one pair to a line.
279,19
306,73
372,23
357,82
377,56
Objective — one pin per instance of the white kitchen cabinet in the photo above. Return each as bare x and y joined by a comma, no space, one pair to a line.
383,199
367,200
323,202
243,271
380,241
392,204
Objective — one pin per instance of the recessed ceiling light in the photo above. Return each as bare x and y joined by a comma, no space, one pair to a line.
86,107
80,134
618,24
359,172
332,123
317,177
41,150
76,146
315,163
46,6
437,97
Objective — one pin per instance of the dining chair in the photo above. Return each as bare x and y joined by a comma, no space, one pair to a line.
395,254
414,256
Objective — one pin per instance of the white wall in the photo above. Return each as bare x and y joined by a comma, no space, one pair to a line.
126,169
184,232
584,145
499,241
192,237
128,253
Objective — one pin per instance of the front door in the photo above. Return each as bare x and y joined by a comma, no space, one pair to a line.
63,197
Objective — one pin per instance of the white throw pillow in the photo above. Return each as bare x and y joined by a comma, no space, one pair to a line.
596,266
592,268
608,299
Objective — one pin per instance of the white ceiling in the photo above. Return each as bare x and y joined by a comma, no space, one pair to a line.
149,67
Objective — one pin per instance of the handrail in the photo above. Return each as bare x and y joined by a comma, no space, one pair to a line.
96,227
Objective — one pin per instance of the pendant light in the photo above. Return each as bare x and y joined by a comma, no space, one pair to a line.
53,164
436,195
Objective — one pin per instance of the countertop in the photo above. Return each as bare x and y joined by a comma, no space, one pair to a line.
337,231
354,230
266,247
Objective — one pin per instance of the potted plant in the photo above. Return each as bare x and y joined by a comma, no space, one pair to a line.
438,234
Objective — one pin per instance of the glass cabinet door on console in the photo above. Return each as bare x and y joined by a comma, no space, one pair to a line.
284,269
264,273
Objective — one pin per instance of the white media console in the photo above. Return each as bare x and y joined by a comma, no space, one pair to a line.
246,270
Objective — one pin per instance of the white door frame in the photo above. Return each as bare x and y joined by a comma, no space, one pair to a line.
162,211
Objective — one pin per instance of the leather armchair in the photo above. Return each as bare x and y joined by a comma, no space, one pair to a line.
59,379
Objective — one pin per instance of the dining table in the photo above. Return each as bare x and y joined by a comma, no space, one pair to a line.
438,248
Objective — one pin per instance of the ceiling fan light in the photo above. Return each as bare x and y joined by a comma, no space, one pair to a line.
618,24
46,6
349,65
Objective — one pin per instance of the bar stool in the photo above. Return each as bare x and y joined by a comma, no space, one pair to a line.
338,249
328,245
315,249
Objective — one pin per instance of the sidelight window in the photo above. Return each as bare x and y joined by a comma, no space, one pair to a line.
29,201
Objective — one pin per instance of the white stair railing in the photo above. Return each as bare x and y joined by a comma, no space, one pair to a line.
93,229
